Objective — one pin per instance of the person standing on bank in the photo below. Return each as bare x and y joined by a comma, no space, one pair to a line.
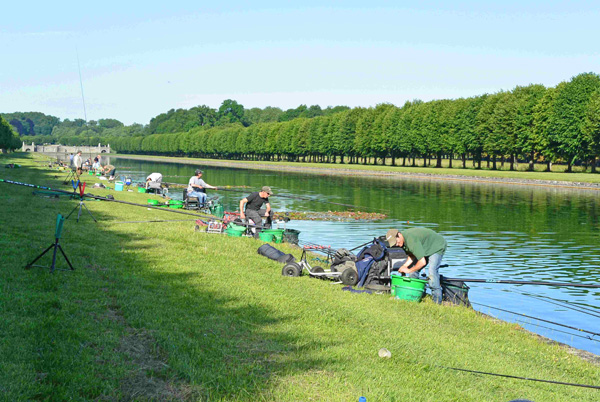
197,187
78,162
424,247
253,204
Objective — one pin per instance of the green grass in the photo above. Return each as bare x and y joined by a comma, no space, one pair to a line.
158,311
557,173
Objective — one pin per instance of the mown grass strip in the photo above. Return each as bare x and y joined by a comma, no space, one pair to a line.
159,311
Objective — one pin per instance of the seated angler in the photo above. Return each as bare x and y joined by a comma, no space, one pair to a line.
197,187
154,181
109,170
253,204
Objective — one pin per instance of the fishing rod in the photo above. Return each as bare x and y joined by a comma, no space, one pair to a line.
563,304
156,221
589,338
512,282
521,378
539,319
109,199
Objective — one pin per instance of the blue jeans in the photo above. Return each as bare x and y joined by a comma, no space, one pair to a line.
201,196
434,276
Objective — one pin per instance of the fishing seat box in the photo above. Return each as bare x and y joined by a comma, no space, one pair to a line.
397,257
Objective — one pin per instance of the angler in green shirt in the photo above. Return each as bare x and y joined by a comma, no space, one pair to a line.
424,247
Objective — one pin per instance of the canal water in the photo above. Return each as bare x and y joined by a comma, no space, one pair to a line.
494,231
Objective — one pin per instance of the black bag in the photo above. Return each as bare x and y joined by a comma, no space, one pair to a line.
455,292
378,270
271,252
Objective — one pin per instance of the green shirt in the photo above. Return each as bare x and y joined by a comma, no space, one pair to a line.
423,242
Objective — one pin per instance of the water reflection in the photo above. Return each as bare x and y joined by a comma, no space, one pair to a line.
493,231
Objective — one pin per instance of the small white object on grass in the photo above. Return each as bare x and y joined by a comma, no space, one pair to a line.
383,352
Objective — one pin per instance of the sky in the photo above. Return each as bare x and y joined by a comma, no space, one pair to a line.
140,59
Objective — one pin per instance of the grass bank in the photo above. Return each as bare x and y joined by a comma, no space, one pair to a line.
444,173
158,311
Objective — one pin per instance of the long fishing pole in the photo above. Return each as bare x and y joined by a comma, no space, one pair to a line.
589,338
539,319
561,304
512,282
156,221
521,378
110,200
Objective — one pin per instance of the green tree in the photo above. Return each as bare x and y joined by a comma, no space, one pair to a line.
567,116
591,127
527,98
230,112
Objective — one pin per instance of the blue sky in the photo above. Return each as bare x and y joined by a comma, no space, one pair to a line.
140,59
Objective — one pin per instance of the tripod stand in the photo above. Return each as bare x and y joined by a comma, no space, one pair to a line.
56,246
72,175
81,204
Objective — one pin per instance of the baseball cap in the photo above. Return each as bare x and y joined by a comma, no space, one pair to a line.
267,190
390,237
198,171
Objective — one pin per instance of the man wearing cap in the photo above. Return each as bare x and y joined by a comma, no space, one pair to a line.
253,204
197,187
424,247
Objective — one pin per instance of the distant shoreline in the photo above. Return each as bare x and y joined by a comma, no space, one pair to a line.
355,170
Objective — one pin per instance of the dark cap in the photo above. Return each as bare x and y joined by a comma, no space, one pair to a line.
198,171
390,237
267,190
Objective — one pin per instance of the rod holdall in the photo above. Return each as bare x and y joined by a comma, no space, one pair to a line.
272,253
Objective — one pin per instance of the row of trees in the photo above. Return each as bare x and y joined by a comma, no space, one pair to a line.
32,125
8,138
530,123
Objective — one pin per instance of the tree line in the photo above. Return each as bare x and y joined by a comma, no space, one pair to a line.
530,123
41,128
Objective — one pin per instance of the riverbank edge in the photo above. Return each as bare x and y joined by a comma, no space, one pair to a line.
354,170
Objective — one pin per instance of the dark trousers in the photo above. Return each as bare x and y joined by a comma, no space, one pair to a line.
257,216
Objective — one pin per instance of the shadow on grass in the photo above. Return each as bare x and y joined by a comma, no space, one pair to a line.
121,327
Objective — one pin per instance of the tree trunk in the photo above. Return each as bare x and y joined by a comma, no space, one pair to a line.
438,163
494,162
531,161
512,162
393,161
464,160
569,167
548,166
593,164
404,161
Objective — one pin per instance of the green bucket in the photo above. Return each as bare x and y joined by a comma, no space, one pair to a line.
153,202
175,204
98,173
264,236
405,288
141,190
91,173
235,233
236,228
276,233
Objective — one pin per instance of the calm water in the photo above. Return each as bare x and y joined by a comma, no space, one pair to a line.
493,232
